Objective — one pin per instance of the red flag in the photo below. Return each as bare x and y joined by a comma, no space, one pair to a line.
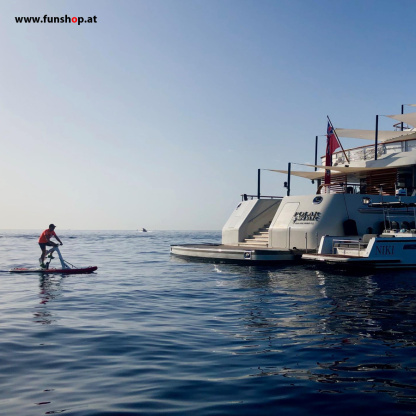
332,144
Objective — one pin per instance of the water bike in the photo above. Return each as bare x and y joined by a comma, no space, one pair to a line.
66,267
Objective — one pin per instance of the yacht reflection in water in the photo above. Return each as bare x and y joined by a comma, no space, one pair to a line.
379,306
335,333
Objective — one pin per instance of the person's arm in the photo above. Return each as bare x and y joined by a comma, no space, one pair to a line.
59,239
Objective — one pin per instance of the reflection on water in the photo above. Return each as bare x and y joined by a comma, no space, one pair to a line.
49,290
355,333
150,335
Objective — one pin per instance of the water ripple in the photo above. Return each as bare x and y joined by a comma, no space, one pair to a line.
148,334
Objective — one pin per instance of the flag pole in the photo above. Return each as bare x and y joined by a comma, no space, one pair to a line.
316,154
336,135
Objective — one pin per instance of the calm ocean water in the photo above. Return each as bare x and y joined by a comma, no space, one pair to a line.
149,334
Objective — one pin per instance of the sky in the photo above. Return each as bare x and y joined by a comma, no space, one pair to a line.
160,114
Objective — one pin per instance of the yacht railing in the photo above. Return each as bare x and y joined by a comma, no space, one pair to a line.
339,188
367,152
246,197
338,244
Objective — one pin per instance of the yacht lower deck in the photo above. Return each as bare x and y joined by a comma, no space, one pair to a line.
353,261
221,253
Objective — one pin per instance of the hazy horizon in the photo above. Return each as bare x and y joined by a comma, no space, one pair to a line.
160,113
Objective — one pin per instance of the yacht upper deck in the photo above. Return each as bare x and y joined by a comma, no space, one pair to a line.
392,173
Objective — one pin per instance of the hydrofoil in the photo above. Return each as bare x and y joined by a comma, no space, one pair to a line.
66,267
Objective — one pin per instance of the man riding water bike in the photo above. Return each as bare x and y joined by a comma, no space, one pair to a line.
45,240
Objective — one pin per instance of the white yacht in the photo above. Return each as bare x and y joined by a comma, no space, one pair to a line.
394,248
274,229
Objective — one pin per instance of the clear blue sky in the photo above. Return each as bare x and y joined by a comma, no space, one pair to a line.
160,114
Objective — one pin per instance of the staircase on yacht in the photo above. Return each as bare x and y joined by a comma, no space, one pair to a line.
259,239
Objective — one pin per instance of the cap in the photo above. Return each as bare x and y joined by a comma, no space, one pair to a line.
52,225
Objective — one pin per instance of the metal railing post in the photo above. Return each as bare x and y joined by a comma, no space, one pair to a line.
258,183
376,140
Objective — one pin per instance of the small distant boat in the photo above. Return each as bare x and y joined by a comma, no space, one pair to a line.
144,230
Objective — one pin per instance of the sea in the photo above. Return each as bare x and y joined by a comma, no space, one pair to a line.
151,334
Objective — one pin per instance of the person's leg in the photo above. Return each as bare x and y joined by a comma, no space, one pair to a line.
42,257
54,245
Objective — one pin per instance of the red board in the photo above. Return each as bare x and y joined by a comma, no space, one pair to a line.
81,270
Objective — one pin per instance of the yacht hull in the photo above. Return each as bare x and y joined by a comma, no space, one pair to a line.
221,253
352,262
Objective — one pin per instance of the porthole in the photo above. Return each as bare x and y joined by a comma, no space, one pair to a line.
317,200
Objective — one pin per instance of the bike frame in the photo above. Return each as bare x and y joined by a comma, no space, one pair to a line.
63,263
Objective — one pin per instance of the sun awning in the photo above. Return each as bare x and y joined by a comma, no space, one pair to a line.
383,135
344,169
409,136
302,174
409,118
335,170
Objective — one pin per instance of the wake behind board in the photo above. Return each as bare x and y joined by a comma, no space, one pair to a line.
78,270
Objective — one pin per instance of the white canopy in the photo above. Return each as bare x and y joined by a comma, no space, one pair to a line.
335,171
302,174
409,118
409,136
344,169
383,135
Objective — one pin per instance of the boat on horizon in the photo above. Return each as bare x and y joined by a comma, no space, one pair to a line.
270,229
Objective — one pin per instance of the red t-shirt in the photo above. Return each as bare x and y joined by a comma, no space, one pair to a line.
45,235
